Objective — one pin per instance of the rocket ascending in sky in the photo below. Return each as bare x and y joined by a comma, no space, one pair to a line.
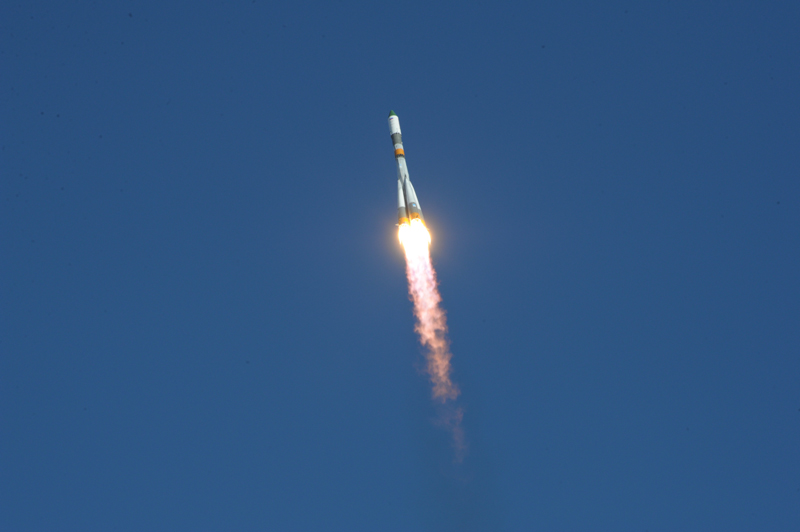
422,287
407,203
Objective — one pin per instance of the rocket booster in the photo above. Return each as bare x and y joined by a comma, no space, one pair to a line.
407,203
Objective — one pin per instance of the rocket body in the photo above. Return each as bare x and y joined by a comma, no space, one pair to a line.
407,203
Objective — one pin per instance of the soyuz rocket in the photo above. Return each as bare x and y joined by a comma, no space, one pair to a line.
407,203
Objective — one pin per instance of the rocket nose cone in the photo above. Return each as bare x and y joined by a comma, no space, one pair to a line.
391,114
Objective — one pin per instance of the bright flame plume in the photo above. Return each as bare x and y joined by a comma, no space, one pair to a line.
431,325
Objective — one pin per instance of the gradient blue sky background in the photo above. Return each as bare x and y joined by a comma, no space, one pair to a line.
205,323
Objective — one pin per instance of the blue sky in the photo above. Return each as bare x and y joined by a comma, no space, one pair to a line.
205,322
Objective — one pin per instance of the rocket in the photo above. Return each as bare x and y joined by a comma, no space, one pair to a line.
407,203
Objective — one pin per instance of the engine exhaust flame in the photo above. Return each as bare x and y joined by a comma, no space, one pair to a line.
432,327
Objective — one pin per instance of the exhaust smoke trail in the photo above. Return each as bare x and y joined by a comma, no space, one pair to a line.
432,328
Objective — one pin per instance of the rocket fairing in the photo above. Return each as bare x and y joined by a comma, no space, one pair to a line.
408,208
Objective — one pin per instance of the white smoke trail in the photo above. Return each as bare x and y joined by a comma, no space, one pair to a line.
432,328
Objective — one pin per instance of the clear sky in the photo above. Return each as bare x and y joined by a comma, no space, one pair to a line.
204,318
